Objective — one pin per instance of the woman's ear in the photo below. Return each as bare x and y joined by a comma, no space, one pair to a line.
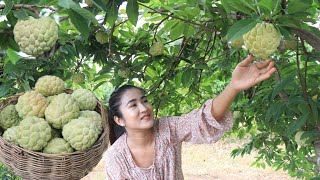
118,121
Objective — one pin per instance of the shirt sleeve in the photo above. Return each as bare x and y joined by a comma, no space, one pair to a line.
198,126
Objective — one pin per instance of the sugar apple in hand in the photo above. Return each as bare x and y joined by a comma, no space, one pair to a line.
9,117
81,133
94,116
262,40
61,110
102,37
10,135
33,133
85,99
156,49
32,103
300,141
58,146
49,85
36,36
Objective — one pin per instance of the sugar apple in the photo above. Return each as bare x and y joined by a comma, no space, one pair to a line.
85,99
78,77
58,146
36,36
49,85
299,140
81,133
102,37
238,43
9,117
61,110
156,49
262,40
124,73
10,135
33,133
50,98
94,116
32,103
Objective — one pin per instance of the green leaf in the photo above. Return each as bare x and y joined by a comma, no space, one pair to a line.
269,4
80,23
241,6
168,26
83,12
226,5
188,30
186,77
112,12
240,28
100,4
13,56
177,30
7,8
295,125
298,6
132,11
66,3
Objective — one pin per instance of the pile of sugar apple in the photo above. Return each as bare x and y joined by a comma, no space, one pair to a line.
48,120
262,41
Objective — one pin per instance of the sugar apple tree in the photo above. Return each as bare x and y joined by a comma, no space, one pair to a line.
36,36
196,65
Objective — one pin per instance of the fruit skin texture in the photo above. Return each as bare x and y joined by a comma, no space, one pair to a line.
36,36
10,135
61,110
81,133
124,73
101,37
9,117
262,40
32,103
85,99
33,133
156,49
58,146
78,77
49,85
94,116
299,140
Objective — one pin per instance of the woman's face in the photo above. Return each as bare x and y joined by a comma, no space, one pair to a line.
137,112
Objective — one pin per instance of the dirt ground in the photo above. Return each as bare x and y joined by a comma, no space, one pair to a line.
204,162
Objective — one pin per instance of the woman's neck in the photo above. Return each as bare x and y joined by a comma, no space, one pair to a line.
140,139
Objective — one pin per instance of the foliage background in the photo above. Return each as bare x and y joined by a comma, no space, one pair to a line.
196,65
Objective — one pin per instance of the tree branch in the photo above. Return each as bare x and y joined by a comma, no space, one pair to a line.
31,8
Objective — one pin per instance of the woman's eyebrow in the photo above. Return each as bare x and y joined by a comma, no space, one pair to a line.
133,100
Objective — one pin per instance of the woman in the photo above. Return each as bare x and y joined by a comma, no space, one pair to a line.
151,149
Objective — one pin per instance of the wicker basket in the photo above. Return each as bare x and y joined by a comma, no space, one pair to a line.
36,165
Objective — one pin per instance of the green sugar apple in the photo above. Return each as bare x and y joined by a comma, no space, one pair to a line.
10,135
9,117
85,99
78,77
58,146
61,110
102,37
36,36
94,116
124,73
300,141
156,49
238,43
33,133
50,98
262,40
32,103
81,133
49,85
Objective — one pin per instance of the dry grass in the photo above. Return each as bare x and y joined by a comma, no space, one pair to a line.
204,162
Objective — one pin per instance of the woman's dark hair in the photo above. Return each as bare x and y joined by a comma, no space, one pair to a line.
114,110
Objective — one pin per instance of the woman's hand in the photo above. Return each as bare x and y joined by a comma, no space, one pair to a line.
247,74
